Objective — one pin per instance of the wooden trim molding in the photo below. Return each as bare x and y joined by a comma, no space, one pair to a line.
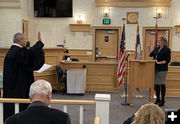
133,3
10,4
25,28
177,28
80,54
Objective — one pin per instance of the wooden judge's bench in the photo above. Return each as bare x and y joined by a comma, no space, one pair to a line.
100,76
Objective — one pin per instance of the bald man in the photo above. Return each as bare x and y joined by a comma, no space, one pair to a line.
38,111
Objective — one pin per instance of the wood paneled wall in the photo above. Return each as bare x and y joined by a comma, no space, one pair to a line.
54,56
80,54
173,82
3,52
175,56
84,54
100,76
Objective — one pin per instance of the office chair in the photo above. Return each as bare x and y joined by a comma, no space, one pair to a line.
175,64
62,78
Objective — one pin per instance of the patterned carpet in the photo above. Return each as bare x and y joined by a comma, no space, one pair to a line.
118,112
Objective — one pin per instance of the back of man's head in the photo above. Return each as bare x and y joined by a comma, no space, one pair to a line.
17,37
40,90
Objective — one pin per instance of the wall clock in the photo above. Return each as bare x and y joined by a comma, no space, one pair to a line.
132,17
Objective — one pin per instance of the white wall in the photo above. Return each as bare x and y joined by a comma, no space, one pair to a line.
176,21
56,30
145,19
10,23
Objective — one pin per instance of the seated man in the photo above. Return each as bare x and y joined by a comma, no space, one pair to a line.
38,111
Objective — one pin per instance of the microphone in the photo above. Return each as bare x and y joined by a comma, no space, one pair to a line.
129,53
27,44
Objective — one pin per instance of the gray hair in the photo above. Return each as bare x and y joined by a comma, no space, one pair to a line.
18,36
40,87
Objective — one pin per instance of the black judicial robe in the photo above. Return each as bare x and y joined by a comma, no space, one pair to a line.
39,113
19,64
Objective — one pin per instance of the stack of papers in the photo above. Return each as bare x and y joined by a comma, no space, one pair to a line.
43,68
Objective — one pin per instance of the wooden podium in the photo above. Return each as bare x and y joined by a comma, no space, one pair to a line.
141,75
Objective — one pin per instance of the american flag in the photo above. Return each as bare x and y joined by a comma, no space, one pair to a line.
121,65
156,36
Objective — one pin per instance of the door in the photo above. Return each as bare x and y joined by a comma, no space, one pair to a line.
25,28
106,41
150,36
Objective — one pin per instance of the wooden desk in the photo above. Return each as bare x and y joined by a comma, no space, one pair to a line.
52,57
100,76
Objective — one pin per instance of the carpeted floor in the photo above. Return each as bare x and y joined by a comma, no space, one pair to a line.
118,112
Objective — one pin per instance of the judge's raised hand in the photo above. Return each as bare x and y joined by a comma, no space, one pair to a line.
149,44
39,36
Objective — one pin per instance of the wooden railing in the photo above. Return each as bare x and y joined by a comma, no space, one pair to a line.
101,102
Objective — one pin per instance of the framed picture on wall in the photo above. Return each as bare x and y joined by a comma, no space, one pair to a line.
132,17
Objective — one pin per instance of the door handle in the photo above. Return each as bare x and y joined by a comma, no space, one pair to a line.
96,51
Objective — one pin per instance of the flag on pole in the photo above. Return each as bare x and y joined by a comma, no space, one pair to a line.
121,65
156,36
138,52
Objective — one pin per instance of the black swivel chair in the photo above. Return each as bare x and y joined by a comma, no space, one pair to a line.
62,78
175,64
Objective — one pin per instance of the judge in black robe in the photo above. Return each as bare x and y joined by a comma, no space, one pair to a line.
19,64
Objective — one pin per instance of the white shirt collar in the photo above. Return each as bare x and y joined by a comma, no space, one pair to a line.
15,44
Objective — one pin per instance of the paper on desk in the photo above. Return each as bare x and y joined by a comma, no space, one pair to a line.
43,68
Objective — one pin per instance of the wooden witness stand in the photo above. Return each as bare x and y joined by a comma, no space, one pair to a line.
141,75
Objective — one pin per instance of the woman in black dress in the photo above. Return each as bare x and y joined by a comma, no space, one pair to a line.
162,56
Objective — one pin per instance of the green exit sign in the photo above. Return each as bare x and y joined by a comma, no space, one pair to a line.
106,21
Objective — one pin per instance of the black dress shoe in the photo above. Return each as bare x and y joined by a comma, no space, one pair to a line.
157,101
161,103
